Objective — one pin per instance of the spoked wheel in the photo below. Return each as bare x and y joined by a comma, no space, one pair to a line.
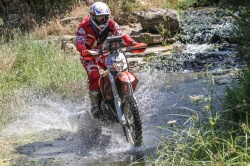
133,128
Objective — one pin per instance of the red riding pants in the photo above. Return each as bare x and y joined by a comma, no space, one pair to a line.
92,70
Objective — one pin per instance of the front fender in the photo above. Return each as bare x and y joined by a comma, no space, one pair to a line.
127,77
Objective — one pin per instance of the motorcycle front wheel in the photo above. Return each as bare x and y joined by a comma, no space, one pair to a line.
133,127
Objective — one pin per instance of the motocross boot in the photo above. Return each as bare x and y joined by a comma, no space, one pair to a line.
95,100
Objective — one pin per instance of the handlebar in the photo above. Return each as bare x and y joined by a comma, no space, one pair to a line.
94,53
138,48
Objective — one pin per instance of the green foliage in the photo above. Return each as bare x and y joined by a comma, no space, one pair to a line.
186,4
165,32
237,103
187,147
206,2
42,8
30,13
242,36
241,12
234,4
128,6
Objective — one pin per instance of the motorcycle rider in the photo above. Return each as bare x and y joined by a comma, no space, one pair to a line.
91,33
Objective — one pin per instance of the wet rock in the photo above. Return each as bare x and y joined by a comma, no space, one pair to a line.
207,25
132,29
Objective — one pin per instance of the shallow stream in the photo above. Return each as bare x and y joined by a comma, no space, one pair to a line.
58,132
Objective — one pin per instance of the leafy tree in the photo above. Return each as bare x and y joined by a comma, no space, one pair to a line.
32,12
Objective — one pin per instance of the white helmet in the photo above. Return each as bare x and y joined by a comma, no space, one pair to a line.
99,13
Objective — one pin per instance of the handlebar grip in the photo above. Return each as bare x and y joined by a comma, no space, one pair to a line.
93,53
138,48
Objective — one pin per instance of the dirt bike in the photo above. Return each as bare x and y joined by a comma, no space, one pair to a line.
117,85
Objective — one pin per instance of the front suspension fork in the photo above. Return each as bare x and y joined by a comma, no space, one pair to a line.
117,100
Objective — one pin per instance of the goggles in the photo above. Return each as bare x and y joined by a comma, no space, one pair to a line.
102,19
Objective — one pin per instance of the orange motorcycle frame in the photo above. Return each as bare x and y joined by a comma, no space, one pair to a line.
126,83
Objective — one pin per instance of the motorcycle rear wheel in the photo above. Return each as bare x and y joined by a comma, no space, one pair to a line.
133,127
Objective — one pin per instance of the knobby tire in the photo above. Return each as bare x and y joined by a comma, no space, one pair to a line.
132,116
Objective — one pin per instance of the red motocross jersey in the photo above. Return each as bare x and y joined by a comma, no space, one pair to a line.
89,37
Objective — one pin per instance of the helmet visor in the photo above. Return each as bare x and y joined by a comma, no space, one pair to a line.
102,19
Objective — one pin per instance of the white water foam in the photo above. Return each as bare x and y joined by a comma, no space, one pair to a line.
197,48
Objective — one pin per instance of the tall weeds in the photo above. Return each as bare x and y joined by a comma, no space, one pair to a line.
26,63
237,104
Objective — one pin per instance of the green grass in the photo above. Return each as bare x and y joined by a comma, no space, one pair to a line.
39,65
237,102
190,147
